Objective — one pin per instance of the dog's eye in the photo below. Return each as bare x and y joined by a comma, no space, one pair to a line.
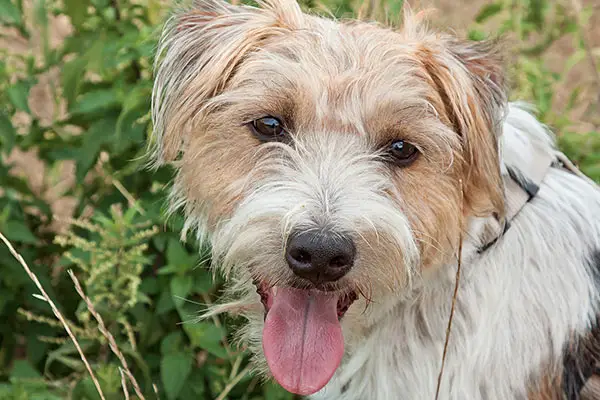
403,153
267,129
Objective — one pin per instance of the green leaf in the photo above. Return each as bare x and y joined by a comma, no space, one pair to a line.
9,13
140,362
4,301
74,363
174,370
178,256
96,100
172,343
488,11
181,286
44,394
176,253
19,232
194,388
130,215
203,280
476,35
8,134
63,351
72,77
394,9
36,349
168,269
136,105
273,391
573,99
149,285
535,13
101,3
164,303
77,11
110,380
23,369
574,59
153,10
18,94
99,133
85,390
207,336
593,171
40,14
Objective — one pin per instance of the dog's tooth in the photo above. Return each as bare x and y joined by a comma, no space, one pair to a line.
274,290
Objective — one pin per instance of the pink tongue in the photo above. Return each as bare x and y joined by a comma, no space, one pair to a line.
302,339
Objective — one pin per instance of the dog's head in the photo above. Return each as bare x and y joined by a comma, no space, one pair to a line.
326,161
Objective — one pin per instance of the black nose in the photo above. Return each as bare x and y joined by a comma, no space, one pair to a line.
320,256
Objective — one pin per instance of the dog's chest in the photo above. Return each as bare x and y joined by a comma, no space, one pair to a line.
401,359
507,327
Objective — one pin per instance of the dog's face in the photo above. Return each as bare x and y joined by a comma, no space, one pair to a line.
325,161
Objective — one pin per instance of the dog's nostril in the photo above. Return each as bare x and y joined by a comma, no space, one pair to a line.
300,255
320,256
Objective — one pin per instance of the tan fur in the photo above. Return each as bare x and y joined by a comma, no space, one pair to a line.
345,91
342,89
547,388
472,109
322,77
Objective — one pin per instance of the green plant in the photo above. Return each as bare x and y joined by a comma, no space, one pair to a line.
88,133
135,275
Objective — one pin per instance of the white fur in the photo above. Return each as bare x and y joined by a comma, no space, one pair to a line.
323,182
518,302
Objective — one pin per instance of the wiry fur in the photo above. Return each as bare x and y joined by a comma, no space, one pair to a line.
519,303
346,91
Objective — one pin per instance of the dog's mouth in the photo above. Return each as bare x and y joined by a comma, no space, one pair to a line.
267,294
302,336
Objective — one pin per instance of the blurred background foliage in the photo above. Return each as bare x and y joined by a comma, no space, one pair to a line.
75,84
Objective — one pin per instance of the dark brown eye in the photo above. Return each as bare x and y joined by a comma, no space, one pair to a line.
403,153
267,129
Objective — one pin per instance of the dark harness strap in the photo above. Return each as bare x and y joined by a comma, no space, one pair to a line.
579,366
521,187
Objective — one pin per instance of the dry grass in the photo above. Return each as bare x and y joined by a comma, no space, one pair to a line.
54,185
111,340
124,369
44,296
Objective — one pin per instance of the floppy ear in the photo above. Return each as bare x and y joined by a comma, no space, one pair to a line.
470,80
197,55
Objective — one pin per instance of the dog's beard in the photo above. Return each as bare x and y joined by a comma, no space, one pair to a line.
302,188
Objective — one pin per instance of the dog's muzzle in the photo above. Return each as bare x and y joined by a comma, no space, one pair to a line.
302,336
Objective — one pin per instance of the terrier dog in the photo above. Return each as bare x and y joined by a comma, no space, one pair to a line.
344,171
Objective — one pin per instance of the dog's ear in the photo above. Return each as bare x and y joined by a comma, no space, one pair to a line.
470,81
198,53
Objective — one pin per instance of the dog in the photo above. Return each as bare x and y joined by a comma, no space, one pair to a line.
344,171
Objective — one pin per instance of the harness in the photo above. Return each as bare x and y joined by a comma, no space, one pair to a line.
579,365
521,187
